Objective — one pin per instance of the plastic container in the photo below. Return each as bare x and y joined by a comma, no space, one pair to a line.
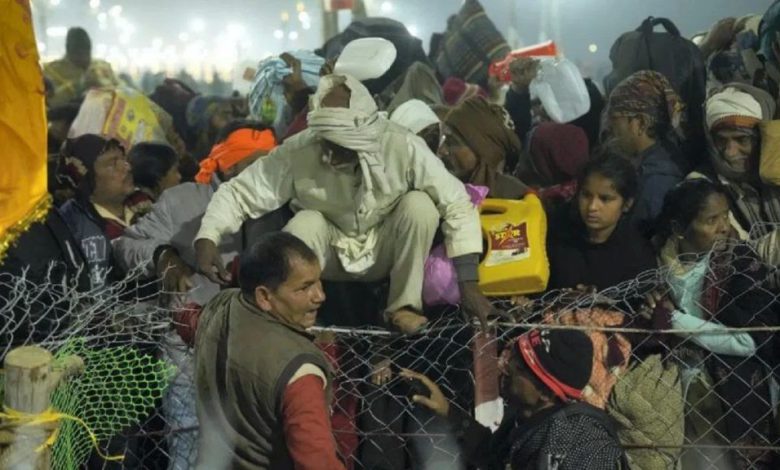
561,89
515,260
500,69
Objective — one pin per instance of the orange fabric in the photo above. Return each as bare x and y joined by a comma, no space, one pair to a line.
238,146
735,121
307,429
24,199
603,375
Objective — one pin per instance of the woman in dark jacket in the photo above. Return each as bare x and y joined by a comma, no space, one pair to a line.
590,242
716,283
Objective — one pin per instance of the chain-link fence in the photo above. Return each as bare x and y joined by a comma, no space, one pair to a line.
691,381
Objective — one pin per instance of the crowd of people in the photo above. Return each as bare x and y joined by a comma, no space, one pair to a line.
316,199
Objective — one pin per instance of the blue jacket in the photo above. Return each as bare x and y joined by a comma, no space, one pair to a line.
661,169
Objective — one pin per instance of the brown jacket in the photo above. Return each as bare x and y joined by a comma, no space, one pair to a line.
244,359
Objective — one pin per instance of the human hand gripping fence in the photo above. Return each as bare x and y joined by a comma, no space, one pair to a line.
674,398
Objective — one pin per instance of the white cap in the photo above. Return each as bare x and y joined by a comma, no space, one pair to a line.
366,58
414,115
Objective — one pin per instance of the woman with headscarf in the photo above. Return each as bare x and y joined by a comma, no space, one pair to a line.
716,285
556,155
479,143
644,118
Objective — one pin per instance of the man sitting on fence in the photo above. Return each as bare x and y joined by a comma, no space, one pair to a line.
263,385
544,373
368,197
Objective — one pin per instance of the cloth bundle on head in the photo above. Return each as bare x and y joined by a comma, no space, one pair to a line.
239,145
456,91
173,96
732,108
558,152
201,109
77,160
489,131
770,26
649,94
560,359
414,115
266,96
366,58
357,128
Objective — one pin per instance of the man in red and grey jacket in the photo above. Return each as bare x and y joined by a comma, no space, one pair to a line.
263,385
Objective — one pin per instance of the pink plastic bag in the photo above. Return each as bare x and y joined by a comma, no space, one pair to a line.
440,283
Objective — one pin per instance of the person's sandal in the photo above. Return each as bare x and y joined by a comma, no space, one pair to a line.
407,321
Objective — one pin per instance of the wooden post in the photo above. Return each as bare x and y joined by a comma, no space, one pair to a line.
29,382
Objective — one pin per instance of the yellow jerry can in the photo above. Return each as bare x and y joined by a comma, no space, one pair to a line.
515,259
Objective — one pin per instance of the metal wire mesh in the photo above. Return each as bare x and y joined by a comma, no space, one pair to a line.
683,396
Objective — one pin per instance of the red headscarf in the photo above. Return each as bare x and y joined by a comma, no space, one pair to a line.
239,145
559,152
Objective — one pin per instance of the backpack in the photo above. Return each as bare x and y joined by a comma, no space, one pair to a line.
471,43
670,54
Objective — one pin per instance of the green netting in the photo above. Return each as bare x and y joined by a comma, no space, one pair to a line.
118,389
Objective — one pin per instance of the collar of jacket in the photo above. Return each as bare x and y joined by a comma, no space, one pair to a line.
252,308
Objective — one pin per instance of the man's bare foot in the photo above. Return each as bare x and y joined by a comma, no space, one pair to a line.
407,321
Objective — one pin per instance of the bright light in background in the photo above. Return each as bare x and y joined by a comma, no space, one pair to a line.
300,7
184,37
102,17
197,25
278,34
593,48
285,16
94,4
304,17
157,43
56,31
306,26
124,39
115,11
54,3
101,49
293,35
236,30
386,7
41,47
412,29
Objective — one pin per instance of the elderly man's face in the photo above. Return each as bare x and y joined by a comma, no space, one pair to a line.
739,147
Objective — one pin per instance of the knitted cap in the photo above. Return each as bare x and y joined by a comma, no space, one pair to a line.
561,359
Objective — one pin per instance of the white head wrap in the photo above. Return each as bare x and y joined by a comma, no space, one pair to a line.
357,128
414,115
732,102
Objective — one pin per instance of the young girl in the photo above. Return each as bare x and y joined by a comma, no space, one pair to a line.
590,243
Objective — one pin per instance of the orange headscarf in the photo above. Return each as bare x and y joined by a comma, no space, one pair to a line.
239,145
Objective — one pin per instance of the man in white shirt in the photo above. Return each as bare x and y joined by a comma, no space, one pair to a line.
368,196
